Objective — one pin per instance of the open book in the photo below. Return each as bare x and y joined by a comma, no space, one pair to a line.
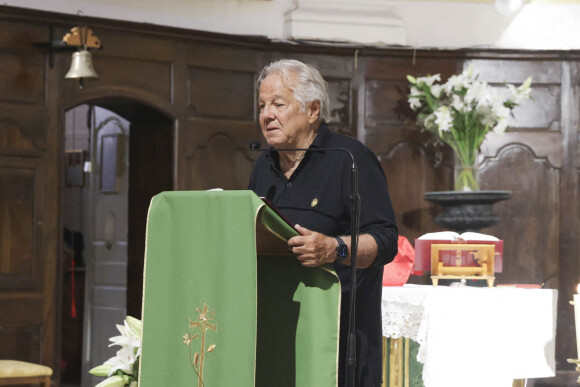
455,237
424,242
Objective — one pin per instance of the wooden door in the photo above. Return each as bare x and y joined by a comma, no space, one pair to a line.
106,237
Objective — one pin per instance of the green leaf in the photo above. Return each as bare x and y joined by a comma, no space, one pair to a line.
411,79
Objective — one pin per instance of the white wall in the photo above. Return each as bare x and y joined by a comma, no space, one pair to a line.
538,24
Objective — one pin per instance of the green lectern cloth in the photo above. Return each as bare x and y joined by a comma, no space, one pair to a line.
216,314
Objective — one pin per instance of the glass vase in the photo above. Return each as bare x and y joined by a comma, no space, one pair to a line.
466,173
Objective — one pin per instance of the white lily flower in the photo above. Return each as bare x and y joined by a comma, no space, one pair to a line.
500,111
457,103
415,91
501,126
124,360
414,103
429,80
443,119
134,326
436,90
477,106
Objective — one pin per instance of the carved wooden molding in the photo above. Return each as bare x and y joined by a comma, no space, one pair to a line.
543,145
12,141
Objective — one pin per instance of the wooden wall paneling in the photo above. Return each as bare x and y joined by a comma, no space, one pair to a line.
223,56
412,166
22,77
541,112
131,66
22,72
216,154
30,186
50,203
384,101
418,63
529,221
218,93
21,131
21,255
541,127
569,256
403,165
213,138
546,144
341,94
22,342
148,76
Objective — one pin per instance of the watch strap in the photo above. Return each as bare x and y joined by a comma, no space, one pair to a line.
341,249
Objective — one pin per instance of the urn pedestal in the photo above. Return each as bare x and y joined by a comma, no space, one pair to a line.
467,210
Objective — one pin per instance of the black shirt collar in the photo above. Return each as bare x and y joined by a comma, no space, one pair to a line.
320,141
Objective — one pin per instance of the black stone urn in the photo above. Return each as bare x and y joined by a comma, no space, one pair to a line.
467,210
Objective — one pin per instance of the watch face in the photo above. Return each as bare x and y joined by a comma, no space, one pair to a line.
342,251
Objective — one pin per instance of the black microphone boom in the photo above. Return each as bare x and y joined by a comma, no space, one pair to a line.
350,376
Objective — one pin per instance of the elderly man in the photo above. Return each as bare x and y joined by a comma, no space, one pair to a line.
312,190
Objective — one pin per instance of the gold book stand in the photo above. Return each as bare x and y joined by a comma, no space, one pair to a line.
482,267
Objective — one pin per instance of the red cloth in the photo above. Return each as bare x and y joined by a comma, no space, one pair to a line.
397,272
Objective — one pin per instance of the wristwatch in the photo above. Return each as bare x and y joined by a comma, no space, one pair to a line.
341,250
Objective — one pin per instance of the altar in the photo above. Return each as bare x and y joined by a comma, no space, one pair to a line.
475,336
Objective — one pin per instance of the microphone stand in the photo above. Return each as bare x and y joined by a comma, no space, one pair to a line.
350,375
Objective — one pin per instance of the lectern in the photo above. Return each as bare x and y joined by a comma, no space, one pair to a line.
224,301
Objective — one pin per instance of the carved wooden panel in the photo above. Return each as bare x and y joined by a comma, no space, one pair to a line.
529,221
411,173
340,95
12,140
383,102
418,64
22,76
220,163
234,57
543,110
222,93
146,75
385,90
22,130
20,343
19,260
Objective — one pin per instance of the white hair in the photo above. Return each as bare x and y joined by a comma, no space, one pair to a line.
307,84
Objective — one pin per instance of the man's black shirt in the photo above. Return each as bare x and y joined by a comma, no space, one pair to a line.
317,196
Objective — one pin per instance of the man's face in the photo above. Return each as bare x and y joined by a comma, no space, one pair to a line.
283,123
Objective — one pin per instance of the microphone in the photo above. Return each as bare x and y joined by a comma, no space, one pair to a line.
354,232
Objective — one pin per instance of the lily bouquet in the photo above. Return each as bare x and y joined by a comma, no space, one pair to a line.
123,368
462,111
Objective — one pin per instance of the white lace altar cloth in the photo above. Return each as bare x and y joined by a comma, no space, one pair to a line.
475,337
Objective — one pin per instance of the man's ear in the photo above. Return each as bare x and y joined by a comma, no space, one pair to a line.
313,111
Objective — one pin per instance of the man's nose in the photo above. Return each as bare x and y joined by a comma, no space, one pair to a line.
267,111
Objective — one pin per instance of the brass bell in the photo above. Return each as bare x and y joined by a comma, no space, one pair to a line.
82,66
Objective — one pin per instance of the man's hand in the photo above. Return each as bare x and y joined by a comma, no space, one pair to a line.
312,248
